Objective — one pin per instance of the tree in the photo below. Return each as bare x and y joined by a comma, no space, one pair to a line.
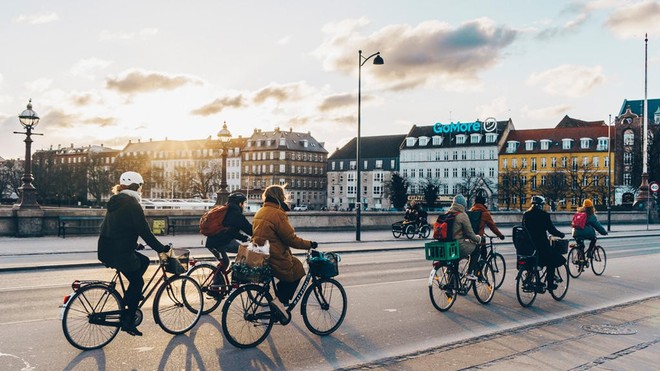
471,184
140,163
206,177
555,187
513,185
99,179
397,191
12,175
581,178
430,187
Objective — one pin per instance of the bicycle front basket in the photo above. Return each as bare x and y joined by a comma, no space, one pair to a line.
242,273
177,263
561,245
325,265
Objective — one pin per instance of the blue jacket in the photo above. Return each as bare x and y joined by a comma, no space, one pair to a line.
589,231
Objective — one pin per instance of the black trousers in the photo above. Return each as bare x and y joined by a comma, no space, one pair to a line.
136,283
220,253
285,290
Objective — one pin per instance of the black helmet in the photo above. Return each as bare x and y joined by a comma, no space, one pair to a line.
480,199
236,197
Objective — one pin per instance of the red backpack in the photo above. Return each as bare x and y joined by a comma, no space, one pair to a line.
443,228
579,220
210,223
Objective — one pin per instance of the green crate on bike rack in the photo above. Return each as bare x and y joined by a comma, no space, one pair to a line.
441,251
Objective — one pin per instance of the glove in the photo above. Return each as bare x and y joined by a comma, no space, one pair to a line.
605,234
563,235
314,245
167,248
501,237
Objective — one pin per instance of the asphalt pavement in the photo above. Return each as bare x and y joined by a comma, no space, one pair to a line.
622,336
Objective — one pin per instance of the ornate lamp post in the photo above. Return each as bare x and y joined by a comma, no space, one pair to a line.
29,119
358,204
225,136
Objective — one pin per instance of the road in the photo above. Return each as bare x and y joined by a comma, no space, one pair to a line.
390,324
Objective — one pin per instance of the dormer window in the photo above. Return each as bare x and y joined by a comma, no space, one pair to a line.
656,116
475,138
305,143
566,143
437,140
410,142
423,141
585,143
460,138
512,146
545,144
603,144
529,145
283,141
491,137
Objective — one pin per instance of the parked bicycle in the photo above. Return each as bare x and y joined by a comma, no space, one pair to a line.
495,259
205,274
91,314
248,314
579,260
448,277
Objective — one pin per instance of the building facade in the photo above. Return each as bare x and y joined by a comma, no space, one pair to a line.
380,159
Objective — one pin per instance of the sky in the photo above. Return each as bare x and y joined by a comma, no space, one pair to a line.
106,72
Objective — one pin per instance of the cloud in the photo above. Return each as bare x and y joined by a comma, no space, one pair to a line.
86,67
338,101
566,29
84,99
143,34
545,112
59,119
635,20
284,40
39,85
417,55
498,108
279,93
568,80
136,81
40,18
220,104
100,121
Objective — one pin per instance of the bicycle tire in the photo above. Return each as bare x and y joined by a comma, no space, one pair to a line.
324,307
246,316
498,264
410,231
425,231
598,260
87,301
178,304
203,274
526,283
575,267
442,283
562,283
397,232
484,286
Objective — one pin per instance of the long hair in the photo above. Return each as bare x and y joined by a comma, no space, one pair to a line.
589,210
275,193
120,187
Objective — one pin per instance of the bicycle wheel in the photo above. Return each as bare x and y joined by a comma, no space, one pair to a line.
178,304
324,306
562,279
203,275
598,260
441,288
575,262
92,316
484,286
425,231
246,316
396,232
527,282
496,261
410,231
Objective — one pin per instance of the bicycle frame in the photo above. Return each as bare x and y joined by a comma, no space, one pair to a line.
454,269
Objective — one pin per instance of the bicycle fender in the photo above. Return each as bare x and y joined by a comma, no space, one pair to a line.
431,275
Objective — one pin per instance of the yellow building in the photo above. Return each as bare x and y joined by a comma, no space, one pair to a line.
565,164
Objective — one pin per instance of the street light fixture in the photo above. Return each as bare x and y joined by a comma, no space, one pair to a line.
225,136
358,204
29,119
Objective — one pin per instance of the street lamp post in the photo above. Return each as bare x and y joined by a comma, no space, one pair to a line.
29,119
609,175
225,136
358,204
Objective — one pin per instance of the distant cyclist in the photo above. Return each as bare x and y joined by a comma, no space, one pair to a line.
486,220
227,240
412,213
538,224
592,225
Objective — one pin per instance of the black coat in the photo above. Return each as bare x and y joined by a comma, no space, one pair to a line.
236,221
124,222
538,224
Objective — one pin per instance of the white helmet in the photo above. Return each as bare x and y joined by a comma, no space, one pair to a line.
131,177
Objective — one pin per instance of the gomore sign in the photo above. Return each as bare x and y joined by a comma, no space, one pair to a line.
465,127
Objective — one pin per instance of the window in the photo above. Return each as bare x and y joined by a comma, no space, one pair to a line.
543,180
603,144
564,162
463,155
595,161
437,140
446,155
543,163
628,138
410,142
529,145
455,172
446,173
283,141
437,173
351,165
628,158
585,161
491,137
379,164
282,168
512,146
532,183
566,143
514,163
463,172
423,141
523,163
504,163
545,144
475,138
606,162
585,143
491,172
455,155
460,138
533,168
428,173
627,179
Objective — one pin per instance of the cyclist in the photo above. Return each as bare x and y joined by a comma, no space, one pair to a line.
486,220
538,224
124,222
227,240
272,224
412,213
463,233
593,225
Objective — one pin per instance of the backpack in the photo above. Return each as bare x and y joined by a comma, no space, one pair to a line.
522,241
579,220
210,223
475,220
443,228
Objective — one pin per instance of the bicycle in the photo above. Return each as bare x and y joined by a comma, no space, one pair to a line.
248,314
448,279
496,260
578,261
420,228
91,314
205,275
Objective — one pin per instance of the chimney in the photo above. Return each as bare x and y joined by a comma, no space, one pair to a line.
138,140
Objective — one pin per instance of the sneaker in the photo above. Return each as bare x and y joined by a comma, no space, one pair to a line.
130,328
471,277
552,287
280,309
